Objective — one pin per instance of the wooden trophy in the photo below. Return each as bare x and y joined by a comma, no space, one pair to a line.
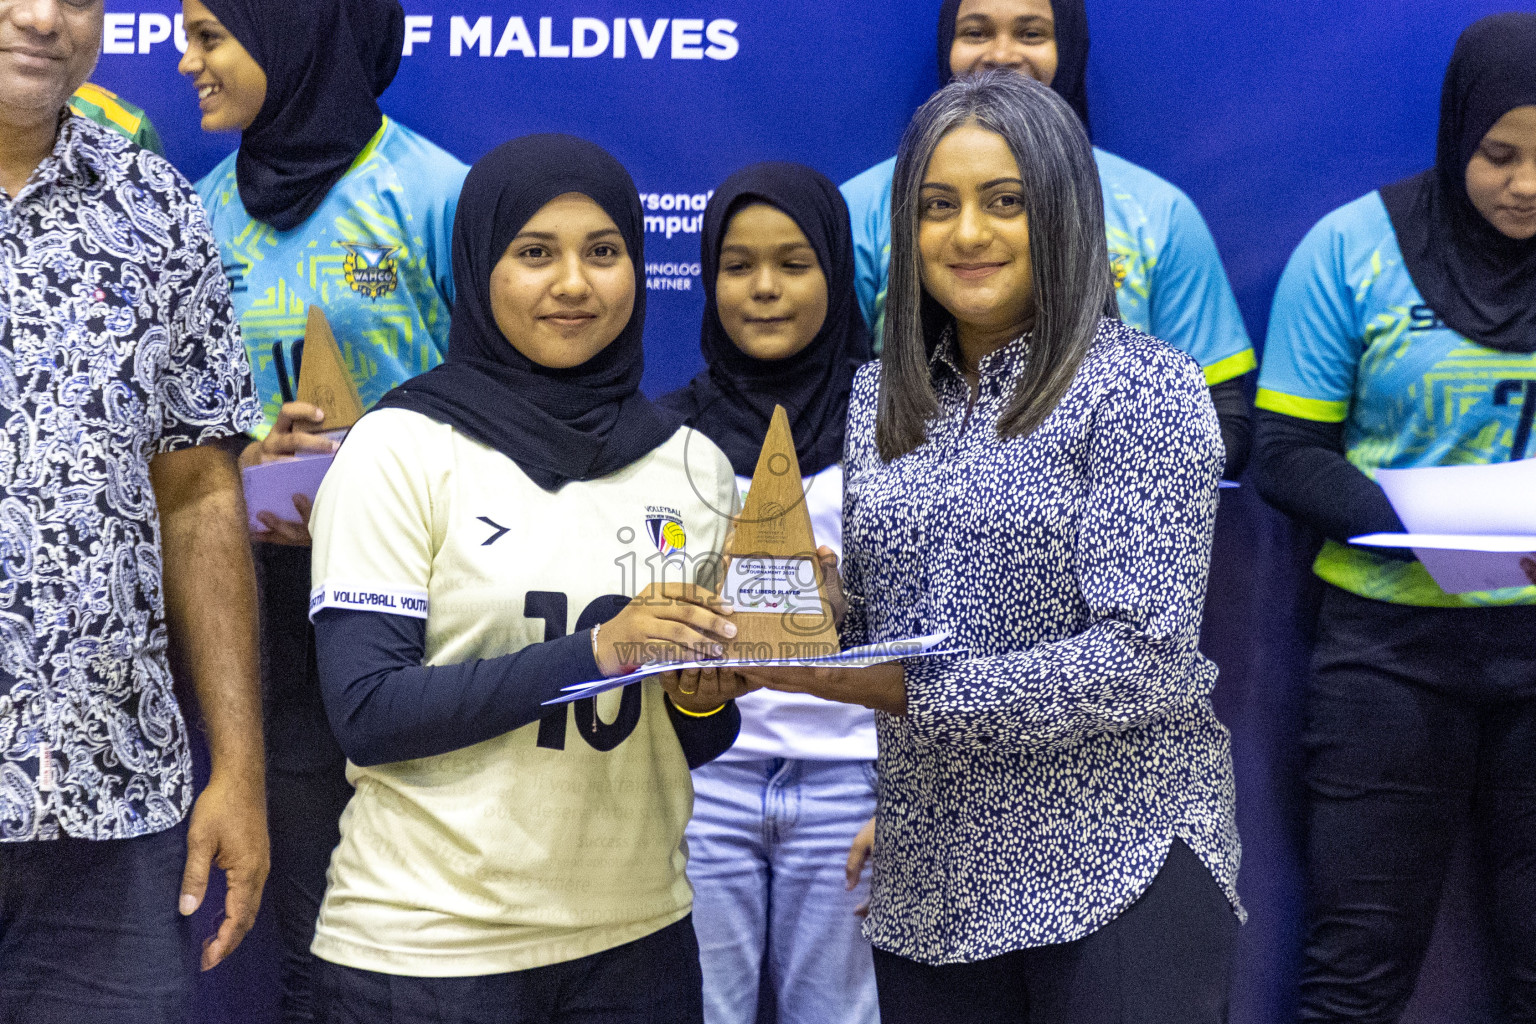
773,577
323,377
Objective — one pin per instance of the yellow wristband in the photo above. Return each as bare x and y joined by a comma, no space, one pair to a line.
698,714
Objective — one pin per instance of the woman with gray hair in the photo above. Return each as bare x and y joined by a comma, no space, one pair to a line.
1056,838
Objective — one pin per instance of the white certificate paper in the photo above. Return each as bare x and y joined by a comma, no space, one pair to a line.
1471,526
855,657
270,487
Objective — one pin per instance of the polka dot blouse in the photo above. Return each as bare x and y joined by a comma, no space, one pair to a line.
1035,785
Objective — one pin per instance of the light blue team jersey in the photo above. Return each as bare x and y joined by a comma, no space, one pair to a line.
376,256
1169,281
1352,341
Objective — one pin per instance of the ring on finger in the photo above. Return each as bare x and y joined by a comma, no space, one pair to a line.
683,688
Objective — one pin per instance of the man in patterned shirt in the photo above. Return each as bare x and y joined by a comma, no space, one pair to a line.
122,527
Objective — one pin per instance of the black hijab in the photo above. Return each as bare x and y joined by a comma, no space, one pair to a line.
557,425
1070,82
732,398
1481,282
326,62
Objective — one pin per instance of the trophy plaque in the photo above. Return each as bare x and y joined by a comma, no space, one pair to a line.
324,380
773,578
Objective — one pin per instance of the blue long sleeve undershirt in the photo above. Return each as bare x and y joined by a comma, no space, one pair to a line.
384,705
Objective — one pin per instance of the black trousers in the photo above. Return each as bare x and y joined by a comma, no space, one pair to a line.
89,931
1421,726
1165,960
307,786
653,980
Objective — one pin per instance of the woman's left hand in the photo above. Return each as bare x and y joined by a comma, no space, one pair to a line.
702,690
859,854
881,687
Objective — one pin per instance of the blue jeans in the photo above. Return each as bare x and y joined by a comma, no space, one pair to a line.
89,931
766,850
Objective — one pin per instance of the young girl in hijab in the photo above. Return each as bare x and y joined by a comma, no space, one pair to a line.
1169,280
326,202
777,811
1404,334
477,543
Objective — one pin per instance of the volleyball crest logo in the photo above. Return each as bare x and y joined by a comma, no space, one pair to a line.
665,527
371,270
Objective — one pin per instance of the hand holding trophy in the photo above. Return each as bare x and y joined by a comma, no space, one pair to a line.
283,470
787,604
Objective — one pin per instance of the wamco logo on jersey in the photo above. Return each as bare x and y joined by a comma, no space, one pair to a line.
488,35
371,270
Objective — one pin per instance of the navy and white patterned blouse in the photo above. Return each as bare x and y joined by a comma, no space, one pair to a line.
116,342
1031,792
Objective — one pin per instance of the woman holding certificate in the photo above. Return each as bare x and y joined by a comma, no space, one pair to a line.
1404,335
475,545
1055,836
326,203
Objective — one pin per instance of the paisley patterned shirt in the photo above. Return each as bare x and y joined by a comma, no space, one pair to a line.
1035,785
117,342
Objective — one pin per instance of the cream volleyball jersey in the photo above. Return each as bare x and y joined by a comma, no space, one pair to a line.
376,256
555,840
1169,281
798,725
1352,341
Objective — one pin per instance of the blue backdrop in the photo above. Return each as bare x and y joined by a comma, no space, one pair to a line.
1269,113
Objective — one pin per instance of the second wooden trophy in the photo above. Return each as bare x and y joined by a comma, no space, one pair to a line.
772,576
